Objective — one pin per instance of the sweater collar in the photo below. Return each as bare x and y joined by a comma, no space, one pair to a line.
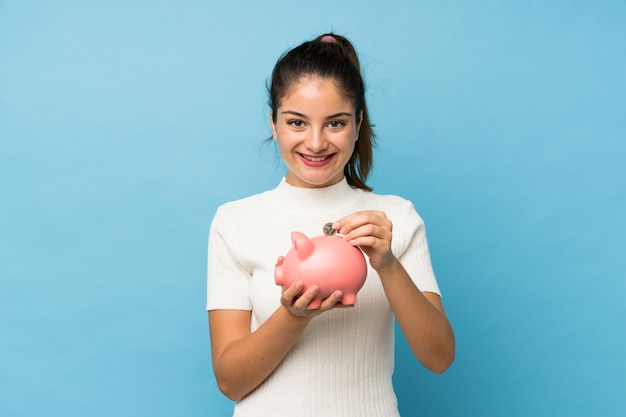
299,199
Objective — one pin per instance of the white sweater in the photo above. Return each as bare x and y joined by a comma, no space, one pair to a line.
343,362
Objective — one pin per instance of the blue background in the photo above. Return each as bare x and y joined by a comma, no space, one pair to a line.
123,125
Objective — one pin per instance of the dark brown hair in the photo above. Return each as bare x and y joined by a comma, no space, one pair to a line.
337,60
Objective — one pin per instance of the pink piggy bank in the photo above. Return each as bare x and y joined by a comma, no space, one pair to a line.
329,262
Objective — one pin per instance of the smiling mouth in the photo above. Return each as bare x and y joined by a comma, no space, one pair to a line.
315,158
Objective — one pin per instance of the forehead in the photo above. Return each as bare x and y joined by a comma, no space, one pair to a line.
315,91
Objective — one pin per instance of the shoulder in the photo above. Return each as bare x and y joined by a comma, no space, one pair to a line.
408,227
394,206
237,214
253,202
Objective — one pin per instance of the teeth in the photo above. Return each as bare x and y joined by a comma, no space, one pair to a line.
315,159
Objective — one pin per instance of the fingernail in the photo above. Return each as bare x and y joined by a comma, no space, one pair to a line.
343,230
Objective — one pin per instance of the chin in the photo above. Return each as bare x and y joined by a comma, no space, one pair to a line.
319,183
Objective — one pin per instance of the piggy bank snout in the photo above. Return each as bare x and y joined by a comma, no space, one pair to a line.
279,277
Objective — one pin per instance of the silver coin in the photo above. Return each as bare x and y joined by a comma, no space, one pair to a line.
329,230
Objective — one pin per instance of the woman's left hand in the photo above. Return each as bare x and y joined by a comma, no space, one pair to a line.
372,231
420,315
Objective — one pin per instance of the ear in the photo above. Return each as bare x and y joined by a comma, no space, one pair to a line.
302,244
273,125
358,127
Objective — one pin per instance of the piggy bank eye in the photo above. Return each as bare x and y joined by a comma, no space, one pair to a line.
328,229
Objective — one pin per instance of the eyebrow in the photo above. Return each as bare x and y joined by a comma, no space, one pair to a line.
332,116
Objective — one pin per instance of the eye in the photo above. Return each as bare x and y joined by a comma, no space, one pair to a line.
336,124
295,123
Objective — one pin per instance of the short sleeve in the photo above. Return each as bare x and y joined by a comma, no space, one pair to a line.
413,248
228,282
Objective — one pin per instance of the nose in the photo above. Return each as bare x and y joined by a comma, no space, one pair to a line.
317,141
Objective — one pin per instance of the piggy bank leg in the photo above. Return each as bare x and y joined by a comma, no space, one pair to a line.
348,299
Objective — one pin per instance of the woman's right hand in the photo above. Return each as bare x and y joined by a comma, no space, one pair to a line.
242,360
297,301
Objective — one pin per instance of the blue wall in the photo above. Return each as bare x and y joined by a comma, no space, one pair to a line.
124,126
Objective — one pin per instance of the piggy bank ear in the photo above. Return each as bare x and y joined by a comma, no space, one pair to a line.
302,244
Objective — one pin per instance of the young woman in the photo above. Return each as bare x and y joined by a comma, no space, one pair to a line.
273,355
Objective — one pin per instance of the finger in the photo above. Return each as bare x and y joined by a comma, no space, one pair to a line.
367,242
333,300
291,293
355,220
356,236
302,302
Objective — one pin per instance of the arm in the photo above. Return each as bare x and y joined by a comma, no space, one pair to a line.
421,316
242,360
